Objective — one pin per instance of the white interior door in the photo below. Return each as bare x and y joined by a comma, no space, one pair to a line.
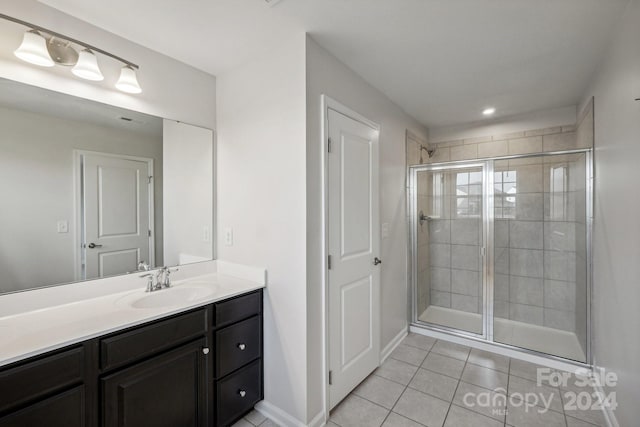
353,245
116,214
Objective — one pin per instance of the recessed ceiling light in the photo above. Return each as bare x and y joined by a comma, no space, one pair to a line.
489,111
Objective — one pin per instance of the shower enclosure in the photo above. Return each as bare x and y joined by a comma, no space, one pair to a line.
500,250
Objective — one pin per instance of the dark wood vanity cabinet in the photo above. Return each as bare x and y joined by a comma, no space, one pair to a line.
47,390
238,363
199,368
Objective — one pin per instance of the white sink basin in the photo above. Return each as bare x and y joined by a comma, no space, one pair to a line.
176,296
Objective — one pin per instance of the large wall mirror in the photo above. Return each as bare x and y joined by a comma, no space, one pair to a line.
89,190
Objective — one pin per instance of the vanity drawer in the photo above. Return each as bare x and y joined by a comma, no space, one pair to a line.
235,309
238,393
40,377
237,345
148,340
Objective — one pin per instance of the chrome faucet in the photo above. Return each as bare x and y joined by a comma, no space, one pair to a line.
164,277
161,279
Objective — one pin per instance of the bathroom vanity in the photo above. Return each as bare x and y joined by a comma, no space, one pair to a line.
194,366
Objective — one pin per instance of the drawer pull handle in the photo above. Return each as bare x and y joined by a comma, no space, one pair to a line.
242,347
205,350
242,393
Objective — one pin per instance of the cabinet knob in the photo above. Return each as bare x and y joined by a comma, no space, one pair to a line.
242,346
205,350
242,393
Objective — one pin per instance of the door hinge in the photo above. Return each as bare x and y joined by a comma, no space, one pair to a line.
329,262
150,178
329,145
149,234
330,377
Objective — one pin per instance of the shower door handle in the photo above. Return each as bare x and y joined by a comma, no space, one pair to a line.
377,261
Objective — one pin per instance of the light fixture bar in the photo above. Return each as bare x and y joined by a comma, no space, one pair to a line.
72,40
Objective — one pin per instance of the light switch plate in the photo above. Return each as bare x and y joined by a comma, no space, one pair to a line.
385,230
228,236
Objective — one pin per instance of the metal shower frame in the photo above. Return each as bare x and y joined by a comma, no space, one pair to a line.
488,221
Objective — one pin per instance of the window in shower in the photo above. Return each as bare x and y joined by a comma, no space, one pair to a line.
437,202
505,183
558,192
468,194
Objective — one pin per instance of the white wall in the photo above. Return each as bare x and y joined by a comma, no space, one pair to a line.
37,188
188,184
327,75
616,242
171,89
261,196
506,125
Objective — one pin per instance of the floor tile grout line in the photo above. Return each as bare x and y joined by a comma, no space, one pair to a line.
456,390
405,389
506,403
407,385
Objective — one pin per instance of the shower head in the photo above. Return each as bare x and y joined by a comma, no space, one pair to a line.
431,150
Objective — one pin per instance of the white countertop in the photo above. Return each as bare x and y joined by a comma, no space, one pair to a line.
38,331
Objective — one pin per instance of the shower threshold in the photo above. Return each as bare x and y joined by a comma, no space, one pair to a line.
543,339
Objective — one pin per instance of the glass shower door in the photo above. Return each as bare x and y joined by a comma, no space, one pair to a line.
540,251
448,241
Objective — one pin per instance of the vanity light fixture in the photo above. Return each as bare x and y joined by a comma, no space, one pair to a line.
46,48
489,111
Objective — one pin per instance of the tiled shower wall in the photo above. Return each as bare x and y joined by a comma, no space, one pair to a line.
536,247
540,240
448,248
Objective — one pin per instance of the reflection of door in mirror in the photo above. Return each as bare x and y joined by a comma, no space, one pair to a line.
117,213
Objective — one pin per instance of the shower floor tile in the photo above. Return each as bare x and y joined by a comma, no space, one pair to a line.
519,334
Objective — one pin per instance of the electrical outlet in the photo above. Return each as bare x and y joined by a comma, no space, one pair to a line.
228,236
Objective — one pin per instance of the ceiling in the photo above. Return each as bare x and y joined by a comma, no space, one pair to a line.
442,61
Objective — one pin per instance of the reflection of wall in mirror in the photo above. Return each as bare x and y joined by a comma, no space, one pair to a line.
36,186
188,186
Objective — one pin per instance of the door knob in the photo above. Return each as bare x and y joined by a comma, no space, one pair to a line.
242,346
93,245
242,393
377,261
205,350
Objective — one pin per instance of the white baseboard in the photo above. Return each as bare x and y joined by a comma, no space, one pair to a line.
318,420
277,415
388,349
609,415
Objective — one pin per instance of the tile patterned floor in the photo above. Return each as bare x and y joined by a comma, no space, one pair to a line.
425,381
255,419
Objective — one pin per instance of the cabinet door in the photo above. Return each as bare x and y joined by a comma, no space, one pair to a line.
62,410
167,390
